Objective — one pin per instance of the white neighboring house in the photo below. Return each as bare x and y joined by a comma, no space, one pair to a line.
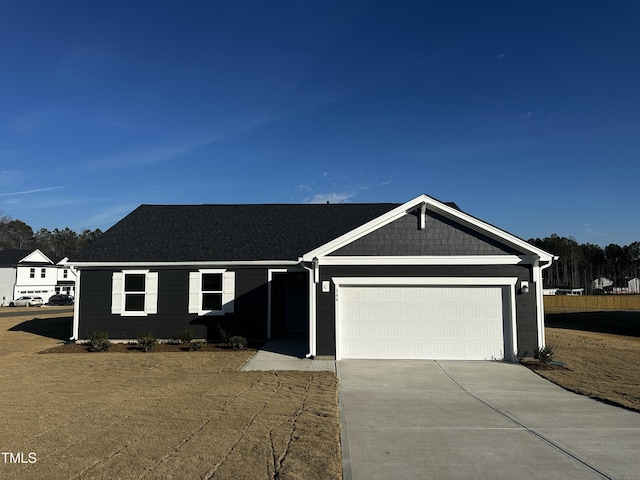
31,272
66,284
601,283
634,285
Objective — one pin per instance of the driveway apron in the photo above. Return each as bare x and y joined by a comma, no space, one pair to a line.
477,420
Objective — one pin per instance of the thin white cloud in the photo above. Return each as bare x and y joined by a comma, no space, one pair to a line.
502,55
157,154
589,229
108,216
334,197
27,192
526,115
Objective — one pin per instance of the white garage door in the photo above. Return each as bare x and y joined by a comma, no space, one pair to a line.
421,322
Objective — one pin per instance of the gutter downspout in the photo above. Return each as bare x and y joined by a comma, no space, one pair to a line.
537,269
76,309
314,277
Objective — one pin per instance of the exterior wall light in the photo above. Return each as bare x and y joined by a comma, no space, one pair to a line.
524,287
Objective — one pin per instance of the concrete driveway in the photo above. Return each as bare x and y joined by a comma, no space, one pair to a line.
477,420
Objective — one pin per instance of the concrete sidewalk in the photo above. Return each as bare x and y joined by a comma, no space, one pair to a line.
286,355
477,420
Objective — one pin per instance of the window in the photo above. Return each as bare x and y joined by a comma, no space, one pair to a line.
134,293
65,273
32,273
43,273
211,292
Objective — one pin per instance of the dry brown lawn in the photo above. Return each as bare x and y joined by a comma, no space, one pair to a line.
601,350
153,415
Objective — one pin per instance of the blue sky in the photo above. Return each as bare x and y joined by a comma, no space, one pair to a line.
523,113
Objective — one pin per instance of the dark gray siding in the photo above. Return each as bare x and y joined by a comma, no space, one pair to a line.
525,304
441,236
249,318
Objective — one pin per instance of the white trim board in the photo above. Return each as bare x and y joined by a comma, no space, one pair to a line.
428,260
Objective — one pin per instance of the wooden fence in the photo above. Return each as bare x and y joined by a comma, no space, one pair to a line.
593,302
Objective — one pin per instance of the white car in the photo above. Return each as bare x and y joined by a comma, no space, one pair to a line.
27,301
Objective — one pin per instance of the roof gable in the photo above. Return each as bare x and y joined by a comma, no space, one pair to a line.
36,256
11,258
509,243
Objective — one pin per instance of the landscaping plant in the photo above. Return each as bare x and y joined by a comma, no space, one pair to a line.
147,342
237,342
99,342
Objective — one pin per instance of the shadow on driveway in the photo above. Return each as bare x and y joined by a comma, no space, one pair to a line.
58,328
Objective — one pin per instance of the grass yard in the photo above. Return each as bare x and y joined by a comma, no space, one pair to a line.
157,415
601,350
195,415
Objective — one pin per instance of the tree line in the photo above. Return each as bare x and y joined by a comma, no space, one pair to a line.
56,244
579,265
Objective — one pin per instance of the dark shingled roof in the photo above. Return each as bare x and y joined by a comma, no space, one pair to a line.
10,258
181,233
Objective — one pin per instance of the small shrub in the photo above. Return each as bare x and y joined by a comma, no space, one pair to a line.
225,335
99,342
185,336
237,342
545,355
197,345
147,342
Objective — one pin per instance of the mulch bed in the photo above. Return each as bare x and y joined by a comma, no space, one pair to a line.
133,348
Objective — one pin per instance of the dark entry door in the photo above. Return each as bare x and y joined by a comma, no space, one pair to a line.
289,303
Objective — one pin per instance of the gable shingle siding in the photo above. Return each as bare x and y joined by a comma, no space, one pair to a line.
441,236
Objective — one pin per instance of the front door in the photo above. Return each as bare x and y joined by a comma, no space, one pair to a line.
289,303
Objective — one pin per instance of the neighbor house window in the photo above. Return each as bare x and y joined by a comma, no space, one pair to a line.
43,273
134,293
211,292
32,273
65,273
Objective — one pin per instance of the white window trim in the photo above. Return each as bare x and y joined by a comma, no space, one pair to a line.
150,294
195,291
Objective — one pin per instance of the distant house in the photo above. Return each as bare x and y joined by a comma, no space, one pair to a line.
31,272
601,283
634,285
415,280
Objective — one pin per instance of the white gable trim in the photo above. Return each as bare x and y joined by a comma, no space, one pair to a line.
430,203
36,257
429,260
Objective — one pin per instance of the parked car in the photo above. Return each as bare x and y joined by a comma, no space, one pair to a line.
27,301
61,300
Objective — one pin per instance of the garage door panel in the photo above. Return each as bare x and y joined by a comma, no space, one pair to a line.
421,322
